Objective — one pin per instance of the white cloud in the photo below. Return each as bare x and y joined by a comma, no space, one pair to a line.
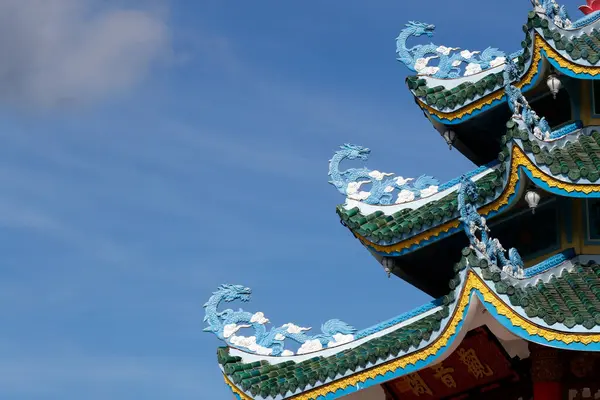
68,51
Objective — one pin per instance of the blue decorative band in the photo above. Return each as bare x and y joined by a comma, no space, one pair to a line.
588,19
550,263
470,174
400,318
565,130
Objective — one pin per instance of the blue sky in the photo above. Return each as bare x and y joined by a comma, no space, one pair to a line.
152,152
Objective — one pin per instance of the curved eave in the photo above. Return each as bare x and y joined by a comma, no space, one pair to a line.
472,290
519,165
411,361
541,49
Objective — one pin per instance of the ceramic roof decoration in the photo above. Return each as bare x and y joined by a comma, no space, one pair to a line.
568,163
476,229
226,325
549,306
450,59
572,49
590,7
522,112
522,323
386,188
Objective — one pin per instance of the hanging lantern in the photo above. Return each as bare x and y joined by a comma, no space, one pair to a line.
449,136
533,199
388,265
554,84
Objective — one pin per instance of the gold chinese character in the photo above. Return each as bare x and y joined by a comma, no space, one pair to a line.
417,384
476,368
444,375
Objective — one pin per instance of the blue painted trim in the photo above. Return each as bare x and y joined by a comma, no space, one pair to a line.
469,175
561,192
525,88
237,396
449,232
493,104
405,371
504,321
550,263
538,182
586,20
567,71
566,130
400,318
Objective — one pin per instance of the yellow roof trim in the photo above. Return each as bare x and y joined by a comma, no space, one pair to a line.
539,45
473,283
518,159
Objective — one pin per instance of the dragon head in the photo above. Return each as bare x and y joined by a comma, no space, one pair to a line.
420,28
469,188
354,152
230,292
511,69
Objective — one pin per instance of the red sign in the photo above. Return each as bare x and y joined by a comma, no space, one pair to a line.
478,362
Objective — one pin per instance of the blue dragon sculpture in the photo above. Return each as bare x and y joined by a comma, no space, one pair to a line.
558,14
384,186
225,324
417,58
473,223
518,104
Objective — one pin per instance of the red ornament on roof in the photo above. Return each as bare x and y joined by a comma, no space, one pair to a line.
592,5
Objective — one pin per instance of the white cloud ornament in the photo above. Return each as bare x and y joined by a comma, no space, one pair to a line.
230,329
339,339
429,191
405,196
310,346
259,318
294,329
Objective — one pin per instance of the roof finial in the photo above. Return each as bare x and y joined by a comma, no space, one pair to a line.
227,324
590,7
474,224
449,60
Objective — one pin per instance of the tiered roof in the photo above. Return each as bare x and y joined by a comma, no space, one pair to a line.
554,303
574,51
558,303
569,165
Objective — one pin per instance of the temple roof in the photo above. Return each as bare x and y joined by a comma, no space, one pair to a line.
557,302
568,165
385,227
574,51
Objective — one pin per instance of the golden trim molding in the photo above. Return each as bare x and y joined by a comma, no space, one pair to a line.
432,349
539,45
473,285
518,159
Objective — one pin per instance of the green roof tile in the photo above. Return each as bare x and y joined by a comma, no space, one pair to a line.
571,298
584,47
576,159
261,379
408,222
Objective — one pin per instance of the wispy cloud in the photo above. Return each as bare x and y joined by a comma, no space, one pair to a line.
64,51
